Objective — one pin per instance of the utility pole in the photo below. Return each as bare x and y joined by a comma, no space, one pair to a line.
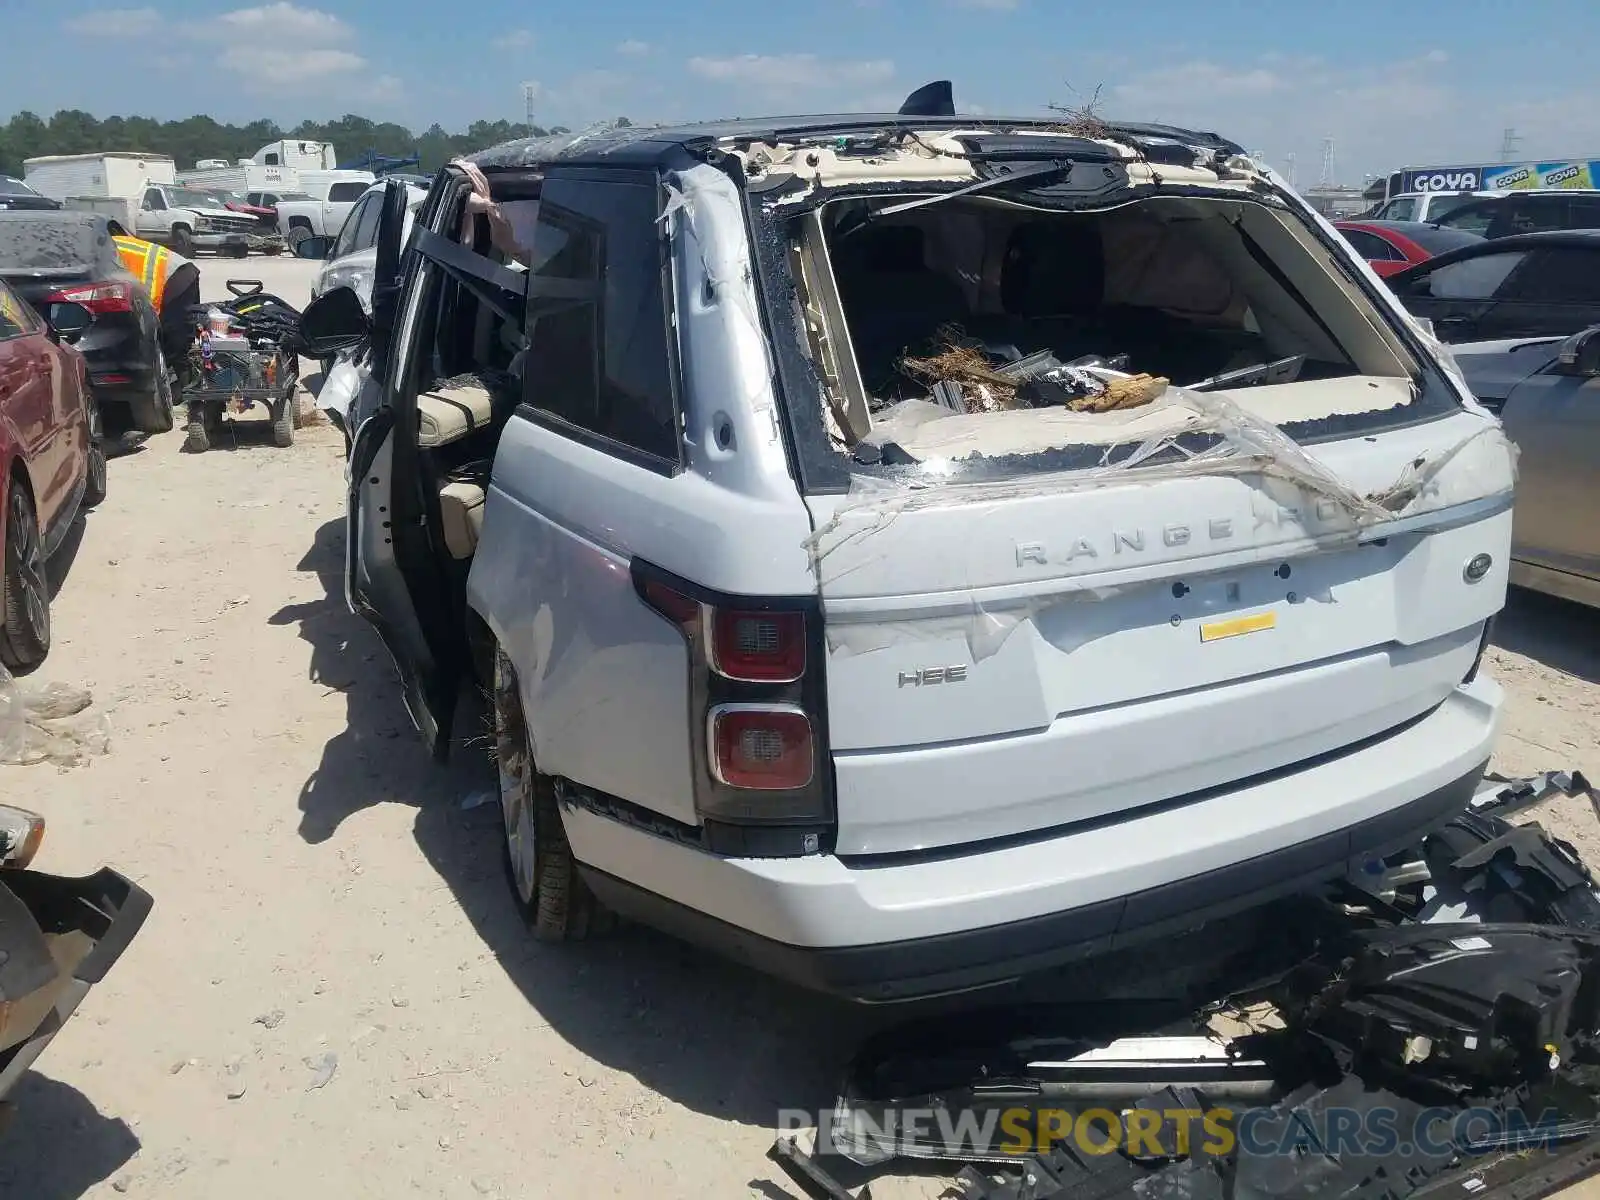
1288,163
1508,144
530,93
1326,178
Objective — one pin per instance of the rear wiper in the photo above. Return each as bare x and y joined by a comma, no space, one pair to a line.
1036,173
1282,370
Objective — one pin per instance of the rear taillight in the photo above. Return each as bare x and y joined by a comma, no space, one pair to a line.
757,716
96,297
758,647
761,748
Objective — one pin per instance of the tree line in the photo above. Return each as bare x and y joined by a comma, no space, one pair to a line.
73,131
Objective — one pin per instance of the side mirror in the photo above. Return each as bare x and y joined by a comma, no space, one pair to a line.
313,247
1580,354
333,322
70,321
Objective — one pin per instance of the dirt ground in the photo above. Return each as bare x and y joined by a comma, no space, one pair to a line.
325,902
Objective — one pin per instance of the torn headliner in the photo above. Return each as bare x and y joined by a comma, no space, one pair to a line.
654,145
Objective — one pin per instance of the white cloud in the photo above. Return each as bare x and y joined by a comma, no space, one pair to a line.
115,22
1287,104
514,39
266,68
287,23
782,72
633,48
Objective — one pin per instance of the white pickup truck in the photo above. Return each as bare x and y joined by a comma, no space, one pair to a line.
324,213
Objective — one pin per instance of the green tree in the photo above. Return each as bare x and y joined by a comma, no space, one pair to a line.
188,140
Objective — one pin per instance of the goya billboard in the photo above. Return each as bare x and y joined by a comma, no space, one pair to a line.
1525,176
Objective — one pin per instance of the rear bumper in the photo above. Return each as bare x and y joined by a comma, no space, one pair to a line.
79,927
907,926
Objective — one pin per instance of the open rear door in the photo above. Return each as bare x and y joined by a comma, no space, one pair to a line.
392,577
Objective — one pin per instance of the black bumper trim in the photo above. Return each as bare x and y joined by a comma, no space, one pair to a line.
1000,954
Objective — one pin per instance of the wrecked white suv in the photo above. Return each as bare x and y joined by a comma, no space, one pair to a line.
908,552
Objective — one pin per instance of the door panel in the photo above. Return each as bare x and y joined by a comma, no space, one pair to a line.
392,577
1555,421
27,394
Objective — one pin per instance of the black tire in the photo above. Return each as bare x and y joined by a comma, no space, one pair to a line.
198,432
153,413
239,252
94,490
283,423
548,891
182,241
25,628
297,234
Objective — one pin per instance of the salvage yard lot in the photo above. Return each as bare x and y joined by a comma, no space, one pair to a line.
326,903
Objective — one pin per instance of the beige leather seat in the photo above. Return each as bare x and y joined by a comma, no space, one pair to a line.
448,414
461,516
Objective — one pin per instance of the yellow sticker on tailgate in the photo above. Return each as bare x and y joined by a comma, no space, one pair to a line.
1215,631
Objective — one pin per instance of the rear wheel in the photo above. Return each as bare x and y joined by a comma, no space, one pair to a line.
202,428
283,422
297,234
240,252
552,897
94,490
153,413
25,630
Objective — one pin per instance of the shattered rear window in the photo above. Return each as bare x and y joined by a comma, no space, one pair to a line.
983,334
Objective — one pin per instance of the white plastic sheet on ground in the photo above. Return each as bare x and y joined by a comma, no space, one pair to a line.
49,723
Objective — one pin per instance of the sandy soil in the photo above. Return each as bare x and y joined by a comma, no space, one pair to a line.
325,902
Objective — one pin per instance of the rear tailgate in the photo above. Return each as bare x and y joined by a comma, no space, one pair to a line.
1012,658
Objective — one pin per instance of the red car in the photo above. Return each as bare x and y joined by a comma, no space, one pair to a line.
1392,246
51,463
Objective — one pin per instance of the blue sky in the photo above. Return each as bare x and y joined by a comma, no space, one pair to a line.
1393,82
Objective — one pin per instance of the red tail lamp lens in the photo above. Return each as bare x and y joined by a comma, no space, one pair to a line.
759,647
766,749
675,606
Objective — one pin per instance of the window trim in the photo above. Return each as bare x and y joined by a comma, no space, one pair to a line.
553,421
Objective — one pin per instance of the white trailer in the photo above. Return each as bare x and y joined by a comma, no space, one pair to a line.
120,173
298,154
246,177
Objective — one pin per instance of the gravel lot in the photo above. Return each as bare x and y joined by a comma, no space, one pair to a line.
325,903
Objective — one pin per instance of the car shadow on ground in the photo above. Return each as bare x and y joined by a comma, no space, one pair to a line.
1561,634
58,1145
61,562
707,1034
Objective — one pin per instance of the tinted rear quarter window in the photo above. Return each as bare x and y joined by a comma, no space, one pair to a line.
1399,210
1370,246
598,356
1470,279
341,193
1560,275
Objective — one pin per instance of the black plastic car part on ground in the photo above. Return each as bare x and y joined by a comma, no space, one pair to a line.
58,938
1429,1028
